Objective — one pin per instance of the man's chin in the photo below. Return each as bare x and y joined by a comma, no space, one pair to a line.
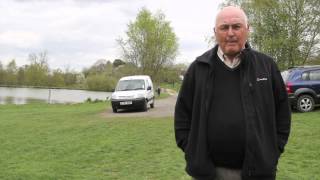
232,53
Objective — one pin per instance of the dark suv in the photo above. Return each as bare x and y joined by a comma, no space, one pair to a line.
303,87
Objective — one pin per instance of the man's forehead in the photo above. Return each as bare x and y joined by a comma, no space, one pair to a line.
231,21
231,15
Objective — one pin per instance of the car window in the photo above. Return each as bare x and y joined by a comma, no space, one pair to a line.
314,75
305,76
285,75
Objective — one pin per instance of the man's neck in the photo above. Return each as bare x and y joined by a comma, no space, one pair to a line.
230,58
231,61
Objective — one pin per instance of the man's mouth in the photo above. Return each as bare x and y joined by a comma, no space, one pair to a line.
231,43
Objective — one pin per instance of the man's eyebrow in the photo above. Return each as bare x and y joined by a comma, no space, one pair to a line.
228,24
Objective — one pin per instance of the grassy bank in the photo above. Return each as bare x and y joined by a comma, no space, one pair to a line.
174,86
40,141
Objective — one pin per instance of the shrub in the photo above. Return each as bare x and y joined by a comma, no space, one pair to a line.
100,82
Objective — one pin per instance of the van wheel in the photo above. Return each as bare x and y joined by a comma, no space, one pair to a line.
305,103
145,106
114,110
152,104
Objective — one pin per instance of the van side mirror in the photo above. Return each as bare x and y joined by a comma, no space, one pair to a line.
149,88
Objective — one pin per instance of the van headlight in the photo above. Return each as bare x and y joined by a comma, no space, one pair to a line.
114,96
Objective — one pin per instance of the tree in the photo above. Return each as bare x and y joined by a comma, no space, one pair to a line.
289,31
21,76
11,73
36,73
151,43
100,82
70,78
56,79
314,61
125,70
117,62
171,74
99,67
2,74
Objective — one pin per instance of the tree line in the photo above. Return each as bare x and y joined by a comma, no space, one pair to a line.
101,76
38,74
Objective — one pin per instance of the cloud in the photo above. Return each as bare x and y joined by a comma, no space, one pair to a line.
75,1
21,39
76,33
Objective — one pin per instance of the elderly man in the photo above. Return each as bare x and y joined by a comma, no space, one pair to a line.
232,116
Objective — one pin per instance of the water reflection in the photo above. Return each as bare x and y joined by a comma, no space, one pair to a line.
31,95
19,100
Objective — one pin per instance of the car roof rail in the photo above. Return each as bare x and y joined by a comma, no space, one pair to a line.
305,66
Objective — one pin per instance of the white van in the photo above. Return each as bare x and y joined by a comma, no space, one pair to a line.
133,92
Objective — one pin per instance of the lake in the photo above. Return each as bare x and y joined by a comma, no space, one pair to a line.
27,95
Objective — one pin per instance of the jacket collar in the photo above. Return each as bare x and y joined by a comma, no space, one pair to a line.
208,56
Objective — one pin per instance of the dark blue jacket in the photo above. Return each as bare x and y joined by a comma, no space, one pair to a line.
266,112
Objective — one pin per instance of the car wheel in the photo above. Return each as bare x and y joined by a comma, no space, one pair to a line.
145,106
114,110
152,104
305,103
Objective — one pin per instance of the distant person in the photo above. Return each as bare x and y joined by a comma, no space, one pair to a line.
158,91
232,116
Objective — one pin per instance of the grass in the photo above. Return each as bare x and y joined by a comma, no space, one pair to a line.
175,86
41,141
163,95
301,159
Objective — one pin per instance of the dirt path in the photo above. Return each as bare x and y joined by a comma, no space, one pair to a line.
162,108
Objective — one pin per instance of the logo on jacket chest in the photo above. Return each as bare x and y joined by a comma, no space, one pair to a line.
262,79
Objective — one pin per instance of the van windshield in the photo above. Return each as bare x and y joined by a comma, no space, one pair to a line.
128,85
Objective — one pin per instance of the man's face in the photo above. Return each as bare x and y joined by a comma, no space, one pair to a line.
231,32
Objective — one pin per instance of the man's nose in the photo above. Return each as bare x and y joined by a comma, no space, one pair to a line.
230,31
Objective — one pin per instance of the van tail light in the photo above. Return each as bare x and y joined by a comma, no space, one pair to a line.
289,87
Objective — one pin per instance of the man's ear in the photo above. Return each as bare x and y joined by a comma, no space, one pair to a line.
214,29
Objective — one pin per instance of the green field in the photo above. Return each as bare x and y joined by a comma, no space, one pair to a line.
41,141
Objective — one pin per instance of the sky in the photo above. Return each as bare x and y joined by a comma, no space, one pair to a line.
77,33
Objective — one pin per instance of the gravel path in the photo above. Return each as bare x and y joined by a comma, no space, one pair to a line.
162,108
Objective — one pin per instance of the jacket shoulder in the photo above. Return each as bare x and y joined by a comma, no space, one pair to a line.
207,56
204,59
264,61
261,56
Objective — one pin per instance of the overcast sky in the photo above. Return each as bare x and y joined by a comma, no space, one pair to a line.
76,33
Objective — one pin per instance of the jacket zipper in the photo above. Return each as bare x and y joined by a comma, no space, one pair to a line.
246,84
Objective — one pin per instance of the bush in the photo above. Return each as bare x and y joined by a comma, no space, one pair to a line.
100,82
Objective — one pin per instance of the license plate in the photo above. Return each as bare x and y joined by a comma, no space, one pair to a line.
126,103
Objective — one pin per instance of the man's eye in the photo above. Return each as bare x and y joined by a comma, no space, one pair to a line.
233,27
236,27
224,28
